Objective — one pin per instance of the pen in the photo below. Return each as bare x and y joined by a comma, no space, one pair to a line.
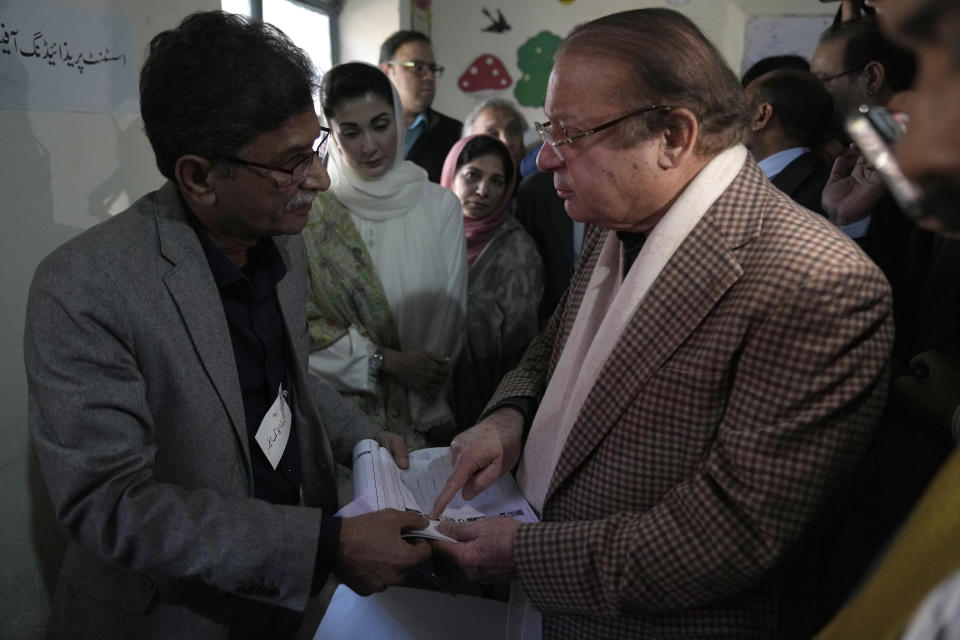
432,576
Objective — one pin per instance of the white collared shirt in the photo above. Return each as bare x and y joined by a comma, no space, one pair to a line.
414,131
774,164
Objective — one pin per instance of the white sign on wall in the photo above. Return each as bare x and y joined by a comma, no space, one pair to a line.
777,35
59,58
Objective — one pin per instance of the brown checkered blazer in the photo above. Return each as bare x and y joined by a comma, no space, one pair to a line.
734,409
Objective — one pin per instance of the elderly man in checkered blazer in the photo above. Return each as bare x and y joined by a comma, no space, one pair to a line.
704,392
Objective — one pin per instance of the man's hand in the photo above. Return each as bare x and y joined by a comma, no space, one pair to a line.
485,547
933,392
853,189
372,555
396,445
481,454
422,371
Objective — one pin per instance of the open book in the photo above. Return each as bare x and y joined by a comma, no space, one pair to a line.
378,483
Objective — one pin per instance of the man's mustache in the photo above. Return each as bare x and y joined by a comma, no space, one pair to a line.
301,199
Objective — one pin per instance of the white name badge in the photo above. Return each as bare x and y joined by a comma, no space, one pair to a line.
274,429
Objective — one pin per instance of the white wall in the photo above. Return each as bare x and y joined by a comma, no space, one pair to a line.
458,38
59,173
364,25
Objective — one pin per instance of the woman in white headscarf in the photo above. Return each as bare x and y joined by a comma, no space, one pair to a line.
388,266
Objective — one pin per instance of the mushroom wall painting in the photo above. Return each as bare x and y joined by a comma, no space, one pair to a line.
485,74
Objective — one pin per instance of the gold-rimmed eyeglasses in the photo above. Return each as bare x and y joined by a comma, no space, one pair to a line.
290,174
418,67
545,129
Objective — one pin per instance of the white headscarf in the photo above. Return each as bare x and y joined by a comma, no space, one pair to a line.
393,194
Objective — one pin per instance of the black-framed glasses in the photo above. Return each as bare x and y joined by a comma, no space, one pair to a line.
291,175
545,129
825,79
418,67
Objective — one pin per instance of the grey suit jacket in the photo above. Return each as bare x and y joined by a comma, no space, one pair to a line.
137,415
733,409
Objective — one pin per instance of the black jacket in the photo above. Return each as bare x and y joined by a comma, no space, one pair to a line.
540,210
433,145
803,180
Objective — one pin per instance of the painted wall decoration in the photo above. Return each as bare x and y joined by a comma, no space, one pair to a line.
487,72
535,60
498,24
421,16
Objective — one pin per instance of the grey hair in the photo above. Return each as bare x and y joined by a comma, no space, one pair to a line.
667,60
500,104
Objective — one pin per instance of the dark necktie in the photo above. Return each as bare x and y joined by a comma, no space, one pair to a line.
632,243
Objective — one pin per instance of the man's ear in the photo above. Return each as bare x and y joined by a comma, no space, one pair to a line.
195,177
761,116
875,75
679,139
386,68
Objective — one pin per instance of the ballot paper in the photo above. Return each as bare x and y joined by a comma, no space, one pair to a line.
402,613
378,483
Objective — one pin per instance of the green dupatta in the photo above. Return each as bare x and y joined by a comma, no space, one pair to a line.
346,291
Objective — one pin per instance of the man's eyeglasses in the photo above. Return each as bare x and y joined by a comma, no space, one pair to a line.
291,175
545,129
824,79
418,67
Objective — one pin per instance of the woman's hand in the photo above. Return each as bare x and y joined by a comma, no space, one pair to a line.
395,444
422,371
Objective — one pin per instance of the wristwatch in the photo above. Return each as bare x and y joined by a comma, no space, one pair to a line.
376,362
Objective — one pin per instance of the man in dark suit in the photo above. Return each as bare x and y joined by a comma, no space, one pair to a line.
925,554
166,355
858,65
704,391
558,238
407,59
791,112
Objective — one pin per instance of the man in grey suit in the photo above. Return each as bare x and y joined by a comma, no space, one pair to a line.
166,357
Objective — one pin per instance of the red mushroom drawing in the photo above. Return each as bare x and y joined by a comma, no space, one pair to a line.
486,72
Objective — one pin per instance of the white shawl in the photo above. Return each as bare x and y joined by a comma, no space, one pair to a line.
413,231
